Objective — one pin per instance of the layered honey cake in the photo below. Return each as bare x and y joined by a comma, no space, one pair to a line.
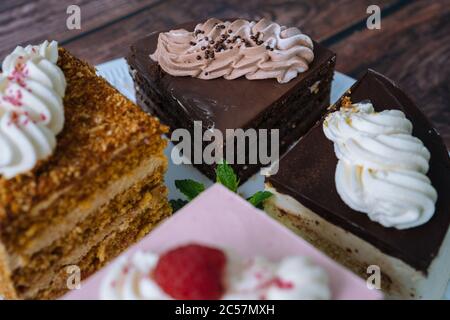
81,172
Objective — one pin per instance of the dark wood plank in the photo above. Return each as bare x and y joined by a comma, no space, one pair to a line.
10,4
413,49
320,19
23,22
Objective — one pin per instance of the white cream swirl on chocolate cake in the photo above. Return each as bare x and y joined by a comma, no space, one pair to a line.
256,50
382,168
32,88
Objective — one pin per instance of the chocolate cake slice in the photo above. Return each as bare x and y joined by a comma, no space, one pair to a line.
292,106
415,260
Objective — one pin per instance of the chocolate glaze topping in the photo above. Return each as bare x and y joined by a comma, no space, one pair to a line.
307,174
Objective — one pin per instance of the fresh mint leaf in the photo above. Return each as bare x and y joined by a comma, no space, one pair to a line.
189,188
177,204
258,198
226,176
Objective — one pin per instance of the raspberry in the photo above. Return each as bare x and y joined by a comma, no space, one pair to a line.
191,272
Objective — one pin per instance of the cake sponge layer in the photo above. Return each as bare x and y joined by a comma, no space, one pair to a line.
398,279
110,247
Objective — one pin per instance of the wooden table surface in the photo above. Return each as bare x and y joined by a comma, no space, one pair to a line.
412,47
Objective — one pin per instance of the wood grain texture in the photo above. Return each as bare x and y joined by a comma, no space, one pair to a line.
320,19
413,49
23,22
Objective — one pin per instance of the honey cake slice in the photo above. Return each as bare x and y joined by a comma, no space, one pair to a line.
106,164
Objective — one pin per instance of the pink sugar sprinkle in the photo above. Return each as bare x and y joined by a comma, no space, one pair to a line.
125,270
283,284
43,116
14,99
14,119
19,74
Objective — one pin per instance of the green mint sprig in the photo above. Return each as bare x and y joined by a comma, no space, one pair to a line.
226,176
258,198
189,188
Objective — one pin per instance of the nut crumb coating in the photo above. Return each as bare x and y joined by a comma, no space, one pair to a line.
99,121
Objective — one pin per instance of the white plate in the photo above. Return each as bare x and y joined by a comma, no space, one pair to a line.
116,72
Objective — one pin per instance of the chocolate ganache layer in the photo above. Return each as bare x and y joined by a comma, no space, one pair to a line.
307,173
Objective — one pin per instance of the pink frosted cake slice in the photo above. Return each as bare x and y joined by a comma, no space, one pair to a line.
235,234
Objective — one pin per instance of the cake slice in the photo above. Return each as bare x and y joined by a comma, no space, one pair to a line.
233,75
91,181
384,203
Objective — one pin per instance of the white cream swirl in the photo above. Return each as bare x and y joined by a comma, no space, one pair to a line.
256,50
255,279
382,168
22,143
32,88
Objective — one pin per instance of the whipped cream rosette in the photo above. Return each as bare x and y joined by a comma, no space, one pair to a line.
256,50
382,168
32,88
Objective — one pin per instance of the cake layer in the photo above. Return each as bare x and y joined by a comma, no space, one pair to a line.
102,129
110,247
398,279
149,195
45,231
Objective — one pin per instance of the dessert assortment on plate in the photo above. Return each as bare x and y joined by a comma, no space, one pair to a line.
82,174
